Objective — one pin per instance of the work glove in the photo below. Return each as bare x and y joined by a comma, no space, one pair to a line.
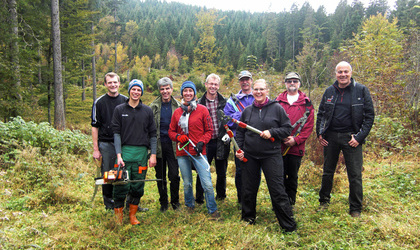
182,138
199,147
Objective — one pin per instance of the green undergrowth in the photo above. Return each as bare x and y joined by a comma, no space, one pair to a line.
46,180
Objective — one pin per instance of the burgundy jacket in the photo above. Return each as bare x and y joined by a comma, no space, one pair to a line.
295,112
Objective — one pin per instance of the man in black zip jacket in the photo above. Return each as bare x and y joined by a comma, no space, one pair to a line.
102,135
344,120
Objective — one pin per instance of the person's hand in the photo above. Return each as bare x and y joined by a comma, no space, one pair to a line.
96,154
199,147
353,143
182,138
322,141
240,154
120,160
152,161
265,134
289,141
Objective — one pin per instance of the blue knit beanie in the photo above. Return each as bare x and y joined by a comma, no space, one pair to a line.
188,84
133,83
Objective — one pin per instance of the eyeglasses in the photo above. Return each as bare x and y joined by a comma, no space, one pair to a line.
292,81
259,90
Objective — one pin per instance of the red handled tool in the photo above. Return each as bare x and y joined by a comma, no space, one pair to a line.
235,144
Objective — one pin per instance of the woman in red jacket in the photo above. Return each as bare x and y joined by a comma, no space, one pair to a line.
192,122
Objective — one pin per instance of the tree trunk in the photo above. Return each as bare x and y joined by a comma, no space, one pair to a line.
93,66
14,57
83,81
59,115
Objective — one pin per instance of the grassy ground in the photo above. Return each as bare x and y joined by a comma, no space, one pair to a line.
61,216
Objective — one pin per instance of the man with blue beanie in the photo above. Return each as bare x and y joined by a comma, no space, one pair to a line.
192,123
134,134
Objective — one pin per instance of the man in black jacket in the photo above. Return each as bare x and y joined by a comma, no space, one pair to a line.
219,146
344,120
102,135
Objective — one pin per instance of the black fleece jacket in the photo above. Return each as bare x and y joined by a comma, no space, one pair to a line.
271,117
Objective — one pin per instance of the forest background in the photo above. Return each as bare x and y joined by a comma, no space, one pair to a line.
54,54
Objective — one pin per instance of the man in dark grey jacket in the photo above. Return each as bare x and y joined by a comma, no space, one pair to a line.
217,148
344,120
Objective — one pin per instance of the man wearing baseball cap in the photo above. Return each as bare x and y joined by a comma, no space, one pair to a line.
234,107
134,134
299,108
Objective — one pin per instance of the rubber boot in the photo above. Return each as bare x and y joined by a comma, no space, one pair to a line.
132,214
118,215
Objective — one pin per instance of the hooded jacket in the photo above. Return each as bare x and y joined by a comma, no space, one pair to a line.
271,117
295,112
362,111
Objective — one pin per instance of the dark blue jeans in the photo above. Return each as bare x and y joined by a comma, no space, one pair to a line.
221,167
354,163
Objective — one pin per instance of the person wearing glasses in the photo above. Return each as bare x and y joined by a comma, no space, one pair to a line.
234,109
264,154
301,112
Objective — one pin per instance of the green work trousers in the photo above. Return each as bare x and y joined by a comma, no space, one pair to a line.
135,159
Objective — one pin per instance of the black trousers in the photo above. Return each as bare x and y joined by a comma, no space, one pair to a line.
291,170
221,168
109,156
354,164
272,168
168,159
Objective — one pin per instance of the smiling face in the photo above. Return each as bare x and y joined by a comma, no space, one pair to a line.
292,85
260,91
188,94
135,93
212,86
343,74
112,84
166,92
245,83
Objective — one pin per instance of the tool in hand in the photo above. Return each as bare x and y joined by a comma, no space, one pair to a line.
235,144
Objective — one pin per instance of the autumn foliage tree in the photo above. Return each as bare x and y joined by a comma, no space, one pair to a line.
376,54
206,51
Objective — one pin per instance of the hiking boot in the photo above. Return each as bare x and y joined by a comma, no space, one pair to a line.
190,210
355,214
175,206
163,208
215,216
323,206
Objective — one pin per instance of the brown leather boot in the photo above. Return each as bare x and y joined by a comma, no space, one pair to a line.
118,215
132,214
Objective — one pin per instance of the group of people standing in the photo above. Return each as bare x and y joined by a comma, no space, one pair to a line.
188,135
